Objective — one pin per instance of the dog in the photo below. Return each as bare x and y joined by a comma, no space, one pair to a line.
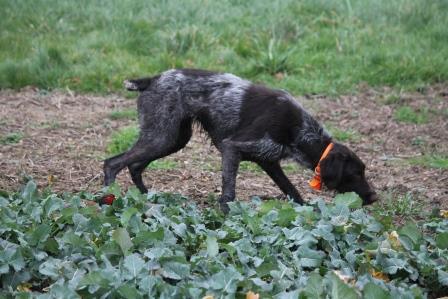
246,122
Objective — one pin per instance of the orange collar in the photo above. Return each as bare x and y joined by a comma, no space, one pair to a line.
316,181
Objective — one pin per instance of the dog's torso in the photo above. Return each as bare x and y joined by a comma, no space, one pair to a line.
268,124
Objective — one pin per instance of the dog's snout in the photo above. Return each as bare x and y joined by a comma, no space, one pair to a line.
371,198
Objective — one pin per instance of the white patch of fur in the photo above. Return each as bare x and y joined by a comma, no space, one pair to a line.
130,85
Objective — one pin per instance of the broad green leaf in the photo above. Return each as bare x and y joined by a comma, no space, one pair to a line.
349,199
287,295
339,215
411,231
286,215
225,280
442,240
40,234
308,257
29,192
175,268
340,290
443,277
146,238
212,246
95,278
63,291
134,264
314,288
129,291
17,261
268,265
121,236
373,291
50,268
392,265
127,214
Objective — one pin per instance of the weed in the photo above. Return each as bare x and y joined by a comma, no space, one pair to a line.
250,167
164,164
342,135
418,140
123,114
11,138
393,99
51,125
398,207
290,167
409,115
431,160
122,140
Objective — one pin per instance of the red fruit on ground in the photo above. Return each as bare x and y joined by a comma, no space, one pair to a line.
107,199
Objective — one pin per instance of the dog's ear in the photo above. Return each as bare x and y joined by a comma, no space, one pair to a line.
331,169
137,84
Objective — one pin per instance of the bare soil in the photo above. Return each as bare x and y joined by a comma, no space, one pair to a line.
65,136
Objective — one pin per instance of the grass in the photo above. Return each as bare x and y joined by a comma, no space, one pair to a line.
431,160
122,140
308,46
123,114
11,138
409,115
342,135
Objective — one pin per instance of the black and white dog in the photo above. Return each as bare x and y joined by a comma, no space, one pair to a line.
245,122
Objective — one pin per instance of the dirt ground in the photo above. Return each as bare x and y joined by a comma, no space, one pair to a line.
65,136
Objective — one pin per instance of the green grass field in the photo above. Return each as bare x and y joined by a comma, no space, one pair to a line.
310,46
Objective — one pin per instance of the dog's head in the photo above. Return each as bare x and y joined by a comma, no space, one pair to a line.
343,171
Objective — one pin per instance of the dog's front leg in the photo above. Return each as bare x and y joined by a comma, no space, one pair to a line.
230,161
276,173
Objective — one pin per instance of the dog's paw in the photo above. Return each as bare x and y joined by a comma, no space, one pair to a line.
223,205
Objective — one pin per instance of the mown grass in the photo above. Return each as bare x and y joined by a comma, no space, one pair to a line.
308,46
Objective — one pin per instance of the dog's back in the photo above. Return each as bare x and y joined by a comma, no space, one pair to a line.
221,102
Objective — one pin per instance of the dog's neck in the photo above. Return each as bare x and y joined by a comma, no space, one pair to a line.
311,142
312,151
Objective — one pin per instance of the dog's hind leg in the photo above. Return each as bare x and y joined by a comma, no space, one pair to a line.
149,147
136,170
276,173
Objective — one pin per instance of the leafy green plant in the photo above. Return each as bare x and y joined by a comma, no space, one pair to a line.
163,246
409,115
123,114
11,138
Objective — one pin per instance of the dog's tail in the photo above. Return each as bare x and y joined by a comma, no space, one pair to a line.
138,84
